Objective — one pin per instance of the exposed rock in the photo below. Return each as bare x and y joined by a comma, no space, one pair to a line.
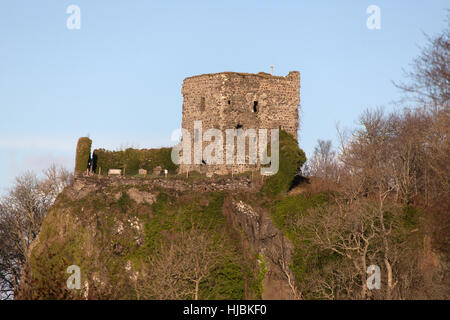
141,196
264,238
81,189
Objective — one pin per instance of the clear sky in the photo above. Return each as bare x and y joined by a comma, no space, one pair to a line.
118,78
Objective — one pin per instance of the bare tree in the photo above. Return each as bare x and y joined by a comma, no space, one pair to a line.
22,211
324,162
181,266
430,74
370,153
351,234
429,84
389,166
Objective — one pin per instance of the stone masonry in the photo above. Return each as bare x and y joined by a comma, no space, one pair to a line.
231,100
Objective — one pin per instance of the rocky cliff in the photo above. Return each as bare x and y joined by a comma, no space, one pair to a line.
119,231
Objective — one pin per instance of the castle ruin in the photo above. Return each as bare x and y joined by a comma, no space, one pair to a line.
244,101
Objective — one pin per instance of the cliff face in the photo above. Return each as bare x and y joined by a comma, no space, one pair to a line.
261,236
123,232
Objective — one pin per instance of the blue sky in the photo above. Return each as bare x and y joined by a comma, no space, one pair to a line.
118,79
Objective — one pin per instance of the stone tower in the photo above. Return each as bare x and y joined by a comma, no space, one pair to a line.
230,100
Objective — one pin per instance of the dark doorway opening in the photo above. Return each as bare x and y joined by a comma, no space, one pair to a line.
255,106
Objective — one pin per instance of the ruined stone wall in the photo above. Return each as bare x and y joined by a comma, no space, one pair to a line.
232,100
85,185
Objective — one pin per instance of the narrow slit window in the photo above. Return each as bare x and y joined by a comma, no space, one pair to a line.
202,104
255,106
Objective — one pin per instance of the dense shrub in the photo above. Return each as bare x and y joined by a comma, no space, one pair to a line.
132,160
291,159
83,154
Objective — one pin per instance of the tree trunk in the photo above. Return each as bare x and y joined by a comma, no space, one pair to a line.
389,279
386,251
196,289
